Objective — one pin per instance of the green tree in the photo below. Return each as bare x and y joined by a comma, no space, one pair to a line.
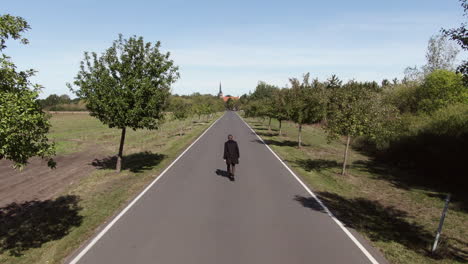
254,108
181,110
280,107
264,93
230,104
440,55
306,103
440,89
206,105
23,124
355,109
127,86
460,35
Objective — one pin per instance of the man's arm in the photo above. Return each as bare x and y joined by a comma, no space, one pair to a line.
237,150
225,151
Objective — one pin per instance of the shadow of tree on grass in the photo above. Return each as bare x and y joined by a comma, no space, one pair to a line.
267,134
407,179
380,223
33,223
317,164
137,162
283,143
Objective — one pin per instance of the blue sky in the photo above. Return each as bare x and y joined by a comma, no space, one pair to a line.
236,42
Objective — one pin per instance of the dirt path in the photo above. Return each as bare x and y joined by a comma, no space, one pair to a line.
37,181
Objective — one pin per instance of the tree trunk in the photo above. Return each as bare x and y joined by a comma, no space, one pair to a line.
269,125
299,136
279,132
343,172
118,166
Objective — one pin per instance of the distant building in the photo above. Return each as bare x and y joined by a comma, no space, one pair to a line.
220,94
225,98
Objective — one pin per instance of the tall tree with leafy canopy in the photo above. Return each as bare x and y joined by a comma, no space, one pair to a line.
264,93
355,109
280,107
23,124
127,86
460,35
306,103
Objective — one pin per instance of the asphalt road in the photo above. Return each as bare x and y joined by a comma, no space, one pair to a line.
194,214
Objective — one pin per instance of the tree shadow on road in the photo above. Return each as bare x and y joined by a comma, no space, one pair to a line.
33,223
380,223
137,162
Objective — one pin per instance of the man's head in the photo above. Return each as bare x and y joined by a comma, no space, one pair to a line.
230,137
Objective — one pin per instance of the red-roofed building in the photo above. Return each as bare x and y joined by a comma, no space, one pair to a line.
225,98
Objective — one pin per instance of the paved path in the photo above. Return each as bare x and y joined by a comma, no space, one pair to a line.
194,215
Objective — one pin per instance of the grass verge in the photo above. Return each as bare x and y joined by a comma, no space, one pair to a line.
45,232
398,219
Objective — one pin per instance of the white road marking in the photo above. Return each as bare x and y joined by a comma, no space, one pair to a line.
104,231
338,222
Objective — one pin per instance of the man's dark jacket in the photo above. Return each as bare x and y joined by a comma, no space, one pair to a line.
231,152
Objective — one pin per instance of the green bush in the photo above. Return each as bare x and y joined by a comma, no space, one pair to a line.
403,96
440,89
431,145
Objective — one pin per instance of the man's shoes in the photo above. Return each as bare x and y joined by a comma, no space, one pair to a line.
231,177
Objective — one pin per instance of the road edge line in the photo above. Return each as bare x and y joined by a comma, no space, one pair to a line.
325,208
108,226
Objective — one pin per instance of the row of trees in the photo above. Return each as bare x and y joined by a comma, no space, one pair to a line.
62,102
186,106
350,110
368,110
127,86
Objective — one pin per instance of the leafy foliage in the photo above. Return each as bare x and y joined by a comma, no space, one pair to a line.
127,86
306,103
230,104
180,107
460,35
280,109
12,27
355,110
23,125
206,104
440,89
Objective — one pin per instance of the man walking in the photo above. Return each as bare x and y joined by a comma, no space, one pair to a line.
231,156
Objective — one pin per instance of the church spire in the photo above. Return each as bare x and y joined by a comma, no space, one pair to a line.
220,94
